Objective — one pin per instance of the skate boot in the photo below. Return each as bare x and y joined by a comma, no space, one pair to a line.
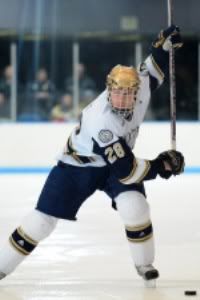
2,275
149,274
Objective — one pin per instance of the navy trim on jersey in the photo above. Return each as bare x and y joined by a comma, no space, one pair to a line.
122,166
160,59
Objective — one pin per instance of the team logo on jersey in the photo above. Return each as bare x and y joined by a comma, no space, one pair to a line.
105,136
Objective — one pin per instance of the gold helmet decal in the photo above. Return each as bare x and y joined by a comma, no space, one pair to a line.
122,77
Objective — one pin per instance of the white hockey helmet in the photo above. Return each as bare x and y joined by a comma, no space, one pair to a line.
123,84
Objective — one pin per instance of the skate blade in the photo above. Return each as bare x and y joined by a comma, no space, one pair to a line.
150,283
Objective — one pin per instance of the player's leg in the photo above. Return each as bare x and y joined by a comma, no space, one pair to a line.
65,189
35,227
135,213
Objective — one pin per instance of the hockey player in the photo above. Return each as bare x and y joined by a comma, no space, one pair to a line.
98,156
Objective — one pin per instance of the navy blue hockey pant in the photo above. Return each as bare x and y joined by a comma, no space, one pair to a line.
67,187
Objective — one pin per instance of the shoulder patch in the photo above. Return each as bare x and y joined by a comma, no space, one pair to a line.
105,135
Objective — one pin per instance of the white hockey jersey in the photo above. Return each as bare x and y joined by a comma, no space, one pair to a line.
99,123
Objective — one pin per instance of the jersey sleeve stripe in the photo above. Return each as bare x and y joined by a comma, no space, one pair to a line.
131,173
138,173
154,69
139,227
79,158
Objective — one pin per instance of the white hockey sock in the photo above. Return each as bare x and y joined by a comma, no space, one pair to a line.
9,258
134,211
142,253
35,227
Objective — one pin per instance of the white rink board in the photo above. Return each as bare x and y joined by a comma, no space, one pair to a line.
36,145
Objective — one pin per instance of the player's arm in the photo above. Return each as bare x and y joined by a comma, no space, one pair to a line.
129,169
158,61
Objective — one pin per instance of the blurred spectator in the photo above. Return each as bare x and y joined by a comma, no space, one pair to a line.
6,81
64,111
87,86
4,107
5,92
40,97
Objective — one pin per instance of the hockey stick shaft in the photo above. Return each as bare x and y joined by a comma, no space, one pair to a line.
172,80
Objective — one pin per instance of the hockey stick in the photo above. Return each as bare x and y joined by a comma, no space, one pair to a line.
172,80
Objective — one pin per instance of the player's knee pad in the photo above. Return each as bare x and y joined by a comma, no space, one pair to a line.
133,208
38,225
135,213
34,228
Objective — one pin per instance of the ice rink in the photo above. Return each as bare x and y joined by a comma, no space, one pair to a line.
90,260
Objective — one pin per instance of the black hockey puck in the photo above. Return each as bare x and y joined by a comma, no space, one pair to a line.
190,293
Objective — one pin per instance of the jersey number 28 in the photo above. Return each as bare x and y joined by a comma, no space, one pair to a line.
114,152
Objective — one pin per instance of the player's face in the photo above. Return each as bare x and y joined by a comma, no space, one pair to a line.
124,98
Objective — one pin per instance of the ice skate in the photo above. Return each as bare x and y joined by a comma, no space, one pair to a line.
2,275
149,274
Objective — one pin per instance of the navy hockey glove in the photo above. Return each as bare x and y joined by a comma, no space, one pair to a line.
174,159
169,36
